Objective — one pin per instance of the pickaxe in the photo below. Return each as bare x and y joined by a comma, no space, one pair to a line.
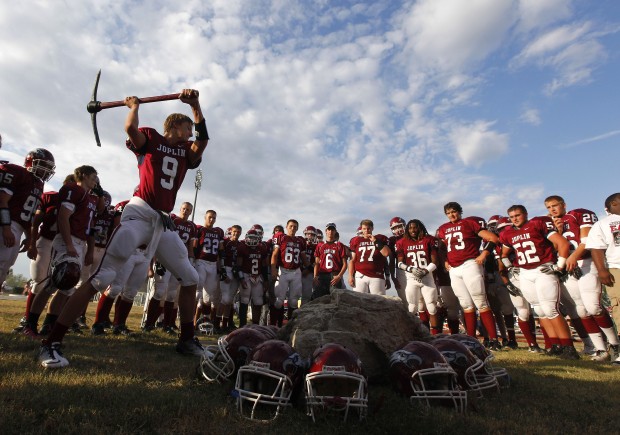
95,106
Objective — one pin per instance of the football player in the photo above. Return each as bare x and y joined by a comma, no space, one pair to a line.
533,242
604,245
397,226
209,244
287,259
231,277
582,283
416,253
72,247
255,261
163,161
330,263
166,286
463,238
307,275
369,255
20,193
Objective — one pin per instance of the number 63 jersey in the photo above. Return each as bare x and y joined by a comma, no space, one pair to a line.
25,191
530,242
162,169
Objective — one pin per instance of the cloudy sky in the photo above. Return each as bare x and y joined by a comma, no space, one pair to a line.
330,110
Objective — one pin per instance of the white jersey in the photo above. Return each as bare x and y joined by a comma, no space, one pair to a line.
605,234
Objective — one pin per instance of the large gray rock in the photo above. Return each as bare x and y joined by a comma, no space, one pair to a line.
373,326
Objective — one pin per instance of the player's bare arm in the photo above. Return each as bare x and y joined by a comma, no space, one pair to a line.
137,138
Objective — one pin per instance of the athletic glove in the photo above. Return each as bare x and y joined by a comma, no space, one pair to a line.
223,274
513,272
160,269
513,289
576,272
98,190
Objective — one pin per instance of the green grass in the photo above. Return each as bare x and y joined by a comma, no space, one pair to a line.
140,385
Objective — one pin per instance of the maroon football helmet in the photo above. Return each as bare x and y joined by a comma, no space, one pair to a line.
252,238
273,374
259,230
310,234
336,382
469,369
66,273
397,225
485,356
319,235
502,223
420,372
222,361
268,332
492,222
40,162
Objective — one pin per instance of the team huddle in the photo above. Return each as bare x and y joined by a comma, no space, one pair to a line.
470,269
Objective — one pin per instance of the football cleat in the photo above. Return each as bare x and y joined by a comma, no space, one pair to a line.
569,352
97,329
190,347
536,349
51,357
600,356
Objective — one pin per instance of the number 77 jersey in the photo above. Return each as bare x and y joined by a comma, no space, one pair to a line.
530,242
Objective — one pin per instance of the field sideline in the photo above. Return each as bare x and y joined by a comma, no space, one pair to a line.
140,385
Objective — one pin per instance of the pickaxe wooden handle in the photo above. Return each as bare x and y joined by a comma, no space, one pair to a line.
95,106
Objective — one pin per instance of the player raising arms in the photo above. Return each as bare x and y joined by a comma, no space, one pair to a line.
163,161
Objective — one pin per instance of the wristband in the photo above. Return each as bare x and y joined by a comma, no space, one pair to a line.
507,262
402,266
5,216
201,130
431,267
561,262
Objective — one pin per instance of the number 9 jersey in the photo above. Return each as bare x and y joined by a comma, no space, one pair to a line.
162,169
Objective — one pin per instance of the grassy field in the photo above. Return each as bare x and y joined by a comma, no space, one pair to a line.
140,385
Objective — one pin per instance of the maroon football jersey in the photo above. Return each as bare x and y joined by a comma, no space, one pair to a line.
368,260
530,243
573,222
461,239
49,208
416,253
230,252
310,247
253,258
186,229
103,227
209,240
392,242
25,190
331,256
84,208
162,168
118,208
290,250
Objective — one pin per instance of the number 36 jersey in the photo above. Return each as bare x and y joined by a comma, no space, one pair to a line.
162,168
530,242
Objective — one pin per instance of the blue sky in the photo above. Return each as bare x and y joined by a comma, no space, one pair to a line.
330,111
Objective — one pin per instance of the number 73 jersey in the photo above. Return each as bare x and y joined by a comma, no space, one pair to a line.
162,169
530,243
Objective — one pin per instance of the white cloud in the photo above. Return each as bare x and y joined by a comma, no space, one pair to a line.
531,116
477,144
